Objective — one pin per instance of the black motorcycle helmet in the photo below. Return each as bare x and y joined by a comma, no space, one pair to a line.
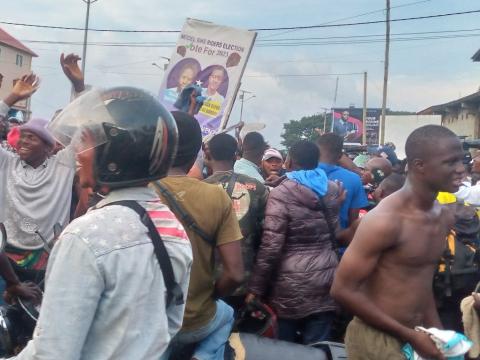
134,136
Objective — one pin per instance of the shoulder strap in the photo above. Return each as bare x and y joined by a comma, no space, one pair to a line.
331,228
185,218
231,184
174,292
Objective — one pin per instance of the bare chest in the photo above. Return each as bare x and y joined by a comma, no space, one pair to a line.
422,241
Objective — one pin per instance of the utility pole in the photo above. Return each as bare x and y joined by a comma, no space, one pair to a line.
364,135
336,92
385,76
242,99
85,35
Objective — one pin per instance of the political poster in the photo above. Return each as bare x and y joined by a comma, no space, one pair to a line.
212,57
349,124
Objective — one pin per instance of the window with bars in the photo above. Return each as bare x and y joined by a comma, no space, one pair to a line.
19,60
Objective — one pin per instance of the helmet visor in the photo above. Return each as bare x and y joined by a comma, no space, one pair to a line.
80,124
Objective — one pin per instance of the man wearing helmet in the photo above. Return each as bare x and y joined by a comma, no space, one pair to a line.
116,282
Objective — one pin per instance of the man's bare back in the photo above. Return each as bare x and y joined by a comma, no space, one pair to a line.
385,277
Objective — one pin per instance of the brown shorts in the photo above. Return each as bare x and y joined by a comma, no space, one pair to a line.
364,342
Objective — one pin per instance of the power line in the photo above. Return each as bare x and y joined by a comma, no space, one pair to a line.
169,43
352,17
256,29
303,75
372,35
293,42
371,22
371,41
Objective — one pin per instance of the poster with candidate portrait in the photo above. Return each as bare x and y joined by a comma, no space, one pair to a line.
348,123
212,57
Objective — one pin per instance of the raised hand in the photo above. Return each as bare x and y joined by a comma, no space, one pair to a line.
71,69
23,89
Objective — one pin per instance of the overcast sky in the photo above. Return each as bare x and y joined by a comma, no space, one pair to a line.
422,72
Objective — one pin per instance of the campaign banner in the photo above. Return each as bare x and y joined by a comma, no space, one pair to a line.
349,124
213,57
372,126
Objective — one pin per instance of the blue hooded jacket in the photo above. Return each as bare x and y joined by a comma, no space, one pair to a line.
316,179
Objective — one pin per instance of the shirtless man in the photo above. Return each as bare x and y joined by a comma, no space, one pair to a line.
385,277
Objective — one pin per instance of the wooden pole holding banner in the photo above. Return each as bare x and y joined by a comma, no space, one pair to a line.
364,134
229,108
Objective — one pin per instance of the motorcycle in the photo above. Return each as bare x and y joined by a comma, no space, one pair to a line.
18,320
253,338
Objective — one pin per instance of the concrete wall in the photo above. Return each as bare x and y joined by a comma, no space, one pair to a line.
398,127
463,123
11,71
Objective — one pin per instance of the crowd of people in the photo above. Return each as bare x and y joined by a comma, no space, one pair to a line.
154,263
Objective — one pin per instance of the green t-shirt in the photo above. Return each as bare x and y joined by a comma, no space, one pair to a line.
212,210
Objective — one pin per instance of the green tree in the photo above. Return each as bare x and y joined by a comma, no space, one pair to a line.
303,129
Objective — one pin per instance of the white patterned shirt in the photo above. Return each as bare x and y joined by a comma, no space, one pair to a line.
105,298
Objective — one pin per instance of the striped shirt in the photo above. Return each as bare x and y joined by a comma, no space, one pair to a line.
165,221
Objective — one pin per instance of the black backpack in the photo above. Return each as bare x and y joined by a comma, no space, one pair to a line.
458,270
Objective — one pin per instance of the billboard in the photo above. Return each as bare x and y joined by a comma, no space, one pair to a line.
348,123
213,57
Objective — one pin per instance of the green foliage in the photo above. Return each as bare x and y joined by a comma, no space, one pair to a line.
303,129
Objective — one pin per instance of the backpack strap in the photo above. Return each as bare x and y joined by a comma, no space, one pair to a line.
448,257
185,218
174,292
231,184
331,228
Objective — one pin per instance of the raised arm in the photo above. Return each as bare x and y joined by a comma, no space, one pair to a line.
23,89
375,234
348,164
69,64
72,71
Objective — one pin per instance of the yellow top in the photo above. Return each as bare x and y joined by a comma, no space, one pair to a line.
446,198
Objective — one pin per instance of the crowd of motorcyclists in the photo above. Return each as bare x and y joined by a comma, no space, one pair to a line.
166,238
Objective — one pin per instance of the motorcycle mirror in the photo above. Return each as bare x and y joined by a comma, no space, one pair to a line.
57,230
3,237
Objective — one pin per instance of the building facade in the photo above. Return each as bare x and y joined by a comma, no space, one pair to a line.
15,61
462,116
